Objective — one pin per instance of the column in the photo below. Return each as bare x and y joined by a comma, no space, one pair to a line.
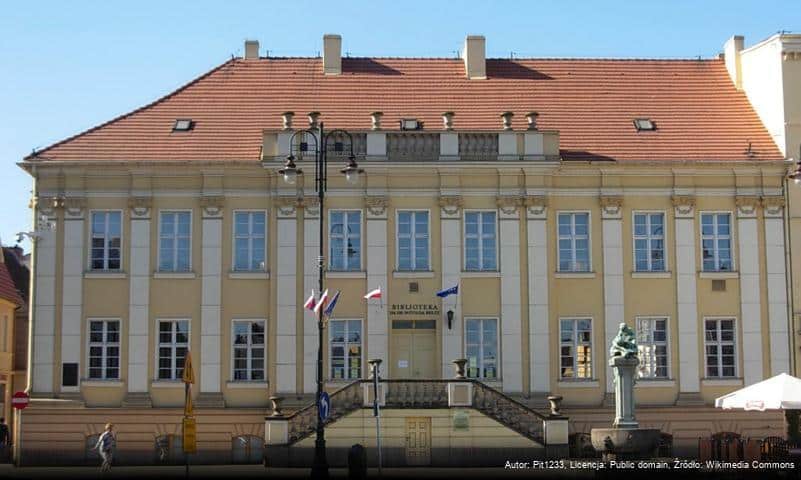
211,296
139,302
286,372
614,315
44,294
311,250
72,285
377,261
777,285
511,342
684,211
750,288
451,242
538,314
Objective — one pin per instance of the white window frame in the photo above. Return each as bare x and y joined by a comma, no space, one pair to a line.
715,239
104,345
397,240
648,237
498,361
480,243
362,238
574,345
90,236
733,342
175,253
174,345
249,349
651,319
330,369
250,240
589,241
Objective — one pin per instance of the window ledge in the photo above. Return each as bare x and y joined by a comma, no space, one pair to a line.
577,384
481,274
346,274
719,275
658,383
104,274
248,275
722,382
167,384
247,385
101,383
174,275
574,274
651,274
413,274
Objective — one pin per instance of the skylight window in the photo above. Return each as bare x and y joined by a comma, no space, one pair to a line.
183,125
644,124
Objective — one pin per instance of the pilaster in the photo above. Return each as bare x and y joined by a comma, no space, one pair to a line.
538,308
376,207
286,299
211,296
139,298
72,284
689,371
778,321
750,287
44,296
451,242
612,231
311,250
511,310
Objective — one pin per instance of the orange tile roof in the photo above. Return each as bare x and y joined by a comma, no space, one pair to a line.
8,291
699,114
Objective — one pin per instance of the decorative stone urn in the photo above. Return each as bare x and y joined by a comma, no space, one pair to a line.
276,401
459,365
625,440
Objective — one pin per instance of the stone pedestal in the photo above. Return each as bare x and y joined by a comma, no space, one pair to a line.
624,370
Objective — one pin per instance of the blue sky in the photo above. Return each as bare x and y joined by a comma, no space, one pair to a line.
67,66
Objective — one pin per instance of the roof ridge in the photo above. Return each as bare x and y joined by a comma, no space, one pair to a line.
35,154
587,59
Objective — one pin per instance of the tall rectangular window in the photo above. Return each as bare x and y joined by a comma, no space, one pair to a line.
652,343
716,241
574,242
720,348
175,241
481,347
480,245
172,348
413,240
104,349
345,240
248,350
249,241
346,349
106,240
575,350
649,242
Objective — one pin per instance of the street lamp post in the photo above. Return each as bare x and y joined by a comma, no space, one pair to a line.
290,173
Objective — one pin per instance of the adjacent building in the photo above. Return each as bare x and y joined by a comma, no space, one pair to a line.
562,196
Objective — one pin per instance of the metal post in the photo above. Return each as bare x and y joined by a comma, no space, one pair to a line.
320,464
375,364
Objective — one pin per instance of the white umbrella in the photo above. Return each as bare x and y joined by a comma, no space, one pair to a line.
782,392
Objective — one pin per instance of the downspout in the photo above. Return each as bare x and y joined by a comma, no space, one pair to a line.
788,251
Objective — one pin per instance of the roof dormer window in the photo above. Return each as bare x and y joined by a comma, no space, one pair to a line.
183,125
644,124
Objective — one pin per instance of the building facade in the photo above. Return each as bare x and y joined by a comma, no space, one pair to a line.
563,197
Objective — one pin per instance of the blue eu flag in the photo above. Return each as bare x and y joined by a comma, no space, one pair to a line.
454,290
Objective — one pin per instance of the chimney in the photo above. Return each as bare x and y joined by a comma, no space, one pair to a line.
474,54
731,55
251,49
332,54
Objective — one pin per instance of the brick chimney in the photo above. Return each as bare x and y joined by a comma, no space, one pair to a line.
475,58
332,54
251,49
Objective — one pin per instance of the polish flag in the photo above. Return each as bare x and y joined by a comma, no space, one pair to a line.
321,302
310,302
373,294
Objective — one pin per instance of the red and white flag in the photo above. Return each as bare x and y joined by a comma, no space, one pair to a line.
373,294
310,302
321,301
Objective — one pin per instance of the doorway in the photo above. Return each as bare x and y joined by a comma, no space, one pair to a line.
414,345
418,440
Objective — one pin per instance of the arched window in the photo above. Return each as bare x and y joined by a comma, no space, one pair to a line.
170,449
247,449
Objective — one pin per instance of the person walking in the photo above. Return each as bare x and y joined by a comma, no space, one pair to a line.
5,440
105,447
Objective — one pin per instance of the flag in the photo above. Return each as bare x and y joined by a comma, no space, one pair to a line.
310,302
333,303
321,302
373,294
454,290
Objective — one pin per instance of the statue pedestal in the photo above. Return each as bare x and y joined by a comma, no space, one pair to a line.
625,439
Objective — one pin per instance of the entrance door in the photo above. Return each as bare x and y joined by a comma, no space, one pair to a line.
418,440
414,349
